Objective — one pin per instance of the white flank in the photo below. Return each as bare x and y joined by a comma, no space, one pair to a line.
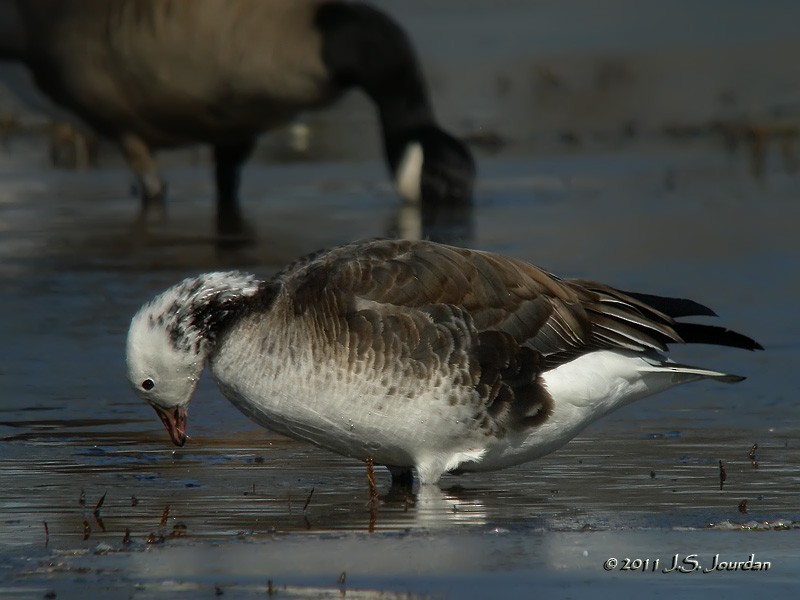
408,178
593,385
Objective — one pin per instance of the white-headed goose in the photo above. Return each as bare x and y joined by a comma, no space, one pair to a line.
151,74
414,354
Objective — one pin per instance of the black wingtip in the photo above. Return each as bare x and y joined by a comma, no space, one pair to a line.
674,307
698,333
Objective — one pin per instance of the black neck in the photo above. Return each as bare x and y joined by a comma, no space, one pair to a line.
363,47
13,36
213,318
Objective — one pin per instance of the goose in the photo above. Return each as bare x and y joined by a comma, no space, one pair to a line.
150,74
414,354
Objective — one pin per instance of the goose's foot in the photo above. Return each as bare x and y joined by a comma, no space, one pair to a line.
373,494
402,478
153,212
154,207
233,231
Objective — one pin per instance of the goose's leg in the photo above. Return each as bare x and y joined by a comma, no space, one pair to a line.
153,189
228,159
373,495
402,478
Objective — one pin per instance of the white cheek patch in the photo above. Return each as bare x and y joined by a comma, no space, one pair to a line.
408,178
409,222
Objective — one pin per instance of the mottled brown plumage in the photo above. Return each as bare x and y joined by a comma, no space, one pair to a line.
556,318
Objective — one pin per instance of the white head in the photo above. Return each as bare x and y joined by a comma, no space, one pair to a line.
169,337
408,177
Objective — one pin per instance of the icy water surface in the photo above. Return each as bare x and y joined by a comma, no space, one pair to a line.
238,506
95,502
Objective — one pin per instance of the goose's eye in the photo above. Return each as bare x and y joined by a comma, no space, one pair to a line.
148,384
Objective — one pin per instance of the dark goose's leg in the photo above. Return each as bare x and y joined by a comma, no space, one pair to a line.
229,159
153,189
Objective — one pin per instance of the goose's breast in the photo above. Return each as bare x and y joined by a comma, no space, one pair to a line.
175,72
311,389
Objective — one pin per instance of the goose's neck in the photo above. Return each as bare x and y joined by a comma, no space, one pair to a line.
363,47
196,310
13,32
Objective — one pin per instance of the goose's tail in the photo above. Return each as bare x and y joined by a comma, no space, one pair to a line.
695,333
685,373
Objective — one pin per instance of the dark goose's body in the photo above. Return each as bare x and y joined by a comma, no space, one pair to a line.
149,74
174,72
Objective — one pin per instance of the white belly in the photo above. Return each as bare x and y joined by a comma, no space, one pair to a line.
357,411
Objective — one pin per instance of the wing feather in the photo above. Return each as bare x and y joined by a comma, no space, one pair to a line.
552,316
493,324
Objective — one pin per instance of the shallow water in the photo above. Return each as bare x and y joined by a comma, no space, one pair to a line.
238,506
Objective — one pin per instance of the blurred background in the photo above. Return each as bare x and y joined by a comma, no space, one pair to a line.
518,77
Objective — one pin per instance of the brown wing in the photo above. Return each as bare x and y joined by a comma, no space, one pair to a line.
488,323
556,318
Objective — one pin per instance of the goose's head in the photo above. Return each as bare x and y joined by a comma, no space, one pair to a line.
169,339
162,372
432,167
363,47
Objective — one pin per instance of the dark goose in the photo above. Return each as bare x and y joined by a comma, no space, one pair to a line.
151,74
